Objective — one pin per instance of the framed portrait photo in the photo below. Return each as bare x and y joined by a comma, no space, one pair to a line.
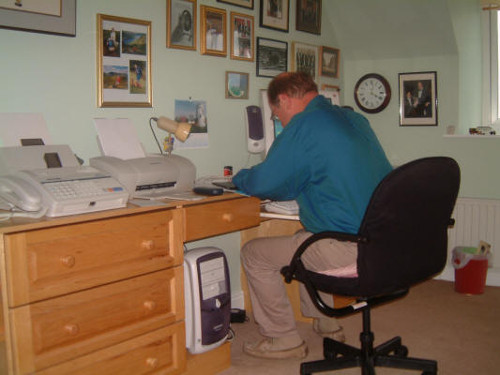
308,17
305,58
181,24
272,57
237,84
124,62
418,99
242,39
241,3
329,59
274,14
213,31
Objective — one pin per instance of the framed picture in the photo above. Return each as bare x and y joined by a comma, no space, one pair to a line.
308,17
242,40
272,57
326,87
329,59
213,31
237,85
49,16
274,14
181,24
418,99
305,58
241,3
124,62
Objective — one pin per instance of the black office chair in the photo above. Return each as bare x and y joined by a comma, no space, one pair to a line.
402,241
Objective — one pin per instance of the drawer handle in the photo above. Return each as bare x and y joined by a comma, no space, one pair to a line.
68,261
72,329
150,305
147,245
152,362
227,217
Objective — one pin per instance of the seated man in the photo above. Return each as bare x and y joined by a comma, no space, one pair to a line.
329,160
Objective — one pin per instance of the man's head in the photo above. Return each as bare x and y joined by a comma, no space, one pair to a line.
289,93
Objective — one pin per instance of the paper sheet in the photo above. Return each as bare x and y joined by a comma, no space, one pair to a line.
118,138
17,126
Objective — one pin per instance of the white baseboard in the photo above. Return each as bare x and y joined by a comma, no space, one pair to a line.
237,300
493,278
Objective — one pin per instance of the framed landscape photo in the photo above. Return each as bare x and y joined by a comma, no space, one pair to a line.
305,58
274,14
329,59
181,24
242,40
272,57
418,99
308,17
124,62
48,16
241,3
213,31
237,85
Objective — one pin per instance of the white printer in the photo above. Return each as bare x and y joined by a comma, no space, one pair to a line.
150,177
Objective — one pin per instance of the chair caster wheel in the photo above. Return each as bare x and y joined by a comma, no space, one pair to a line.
402,352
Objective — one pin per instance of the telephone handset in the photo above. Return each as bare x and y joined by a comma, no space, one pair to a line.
20,193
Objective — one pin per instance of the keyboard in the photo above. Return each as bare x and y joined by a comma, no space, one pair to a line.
283,207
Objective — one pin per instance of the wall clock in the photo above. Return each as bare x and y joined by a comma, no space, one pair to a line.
372,93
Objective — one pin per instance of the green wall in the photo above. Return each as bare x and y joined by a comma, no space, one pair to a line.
56,76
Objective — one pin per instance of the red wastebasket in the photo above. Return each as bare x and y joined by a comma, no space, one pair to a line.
470,271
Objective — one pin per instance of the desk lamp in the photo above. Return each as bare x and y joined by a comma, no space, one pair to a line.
180,130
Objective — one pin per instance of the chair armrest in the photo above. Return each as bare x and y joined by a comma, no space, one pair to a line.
289,271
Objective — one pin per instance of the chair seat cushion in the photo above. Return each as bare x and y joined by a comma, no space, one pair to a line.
349,271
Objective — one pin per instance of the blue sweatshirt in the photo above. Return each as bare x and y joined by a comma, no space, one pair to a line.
328,159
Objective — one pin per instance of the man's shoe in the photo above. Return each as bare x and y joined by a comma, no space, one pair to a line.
337,335
274,348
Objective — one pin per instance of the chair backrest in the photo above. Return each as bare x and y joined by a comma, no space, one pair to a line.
406,225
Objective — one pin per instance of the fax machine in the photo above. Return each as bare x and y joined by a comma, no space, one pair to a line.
150,177
47,179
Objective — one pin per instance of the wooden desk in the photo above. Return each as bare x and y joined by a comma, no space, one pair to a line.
104,292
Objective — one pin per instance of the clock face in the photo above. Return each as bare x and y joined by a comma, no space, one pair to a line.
372,93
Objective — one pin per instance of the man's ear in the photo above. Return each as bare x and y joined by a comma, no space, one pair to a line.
284,100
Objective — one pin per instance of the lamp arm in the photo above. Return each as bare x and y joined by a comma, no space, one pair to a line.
154,134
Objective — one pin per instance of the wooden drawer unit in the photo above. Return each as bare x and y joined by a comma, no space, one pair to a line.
58,260
220,217
156,352
52,331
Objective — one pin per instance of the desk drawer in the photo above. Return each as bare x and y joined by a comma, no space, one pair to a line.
50,262
220,217
62,328
162,350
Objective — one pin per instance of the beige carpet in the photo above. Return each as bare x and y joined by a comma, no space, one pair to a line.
461,332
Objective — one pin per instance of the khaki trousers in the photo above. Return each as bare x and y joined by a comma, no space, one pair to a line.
262,260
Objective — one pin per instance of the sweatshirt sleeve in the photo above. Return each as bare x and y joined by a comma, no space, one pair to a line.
279,176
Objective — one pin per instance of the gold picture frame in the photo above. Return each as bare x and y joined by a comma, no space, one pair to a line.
329,62
237,85
213,31
123,62
242,37
305,58
181,24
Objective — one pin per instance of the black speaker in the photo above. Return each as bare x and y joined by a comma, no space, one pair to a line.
255,129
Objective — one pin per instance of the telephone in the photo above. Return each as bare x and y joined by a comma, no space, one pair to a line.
17,192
